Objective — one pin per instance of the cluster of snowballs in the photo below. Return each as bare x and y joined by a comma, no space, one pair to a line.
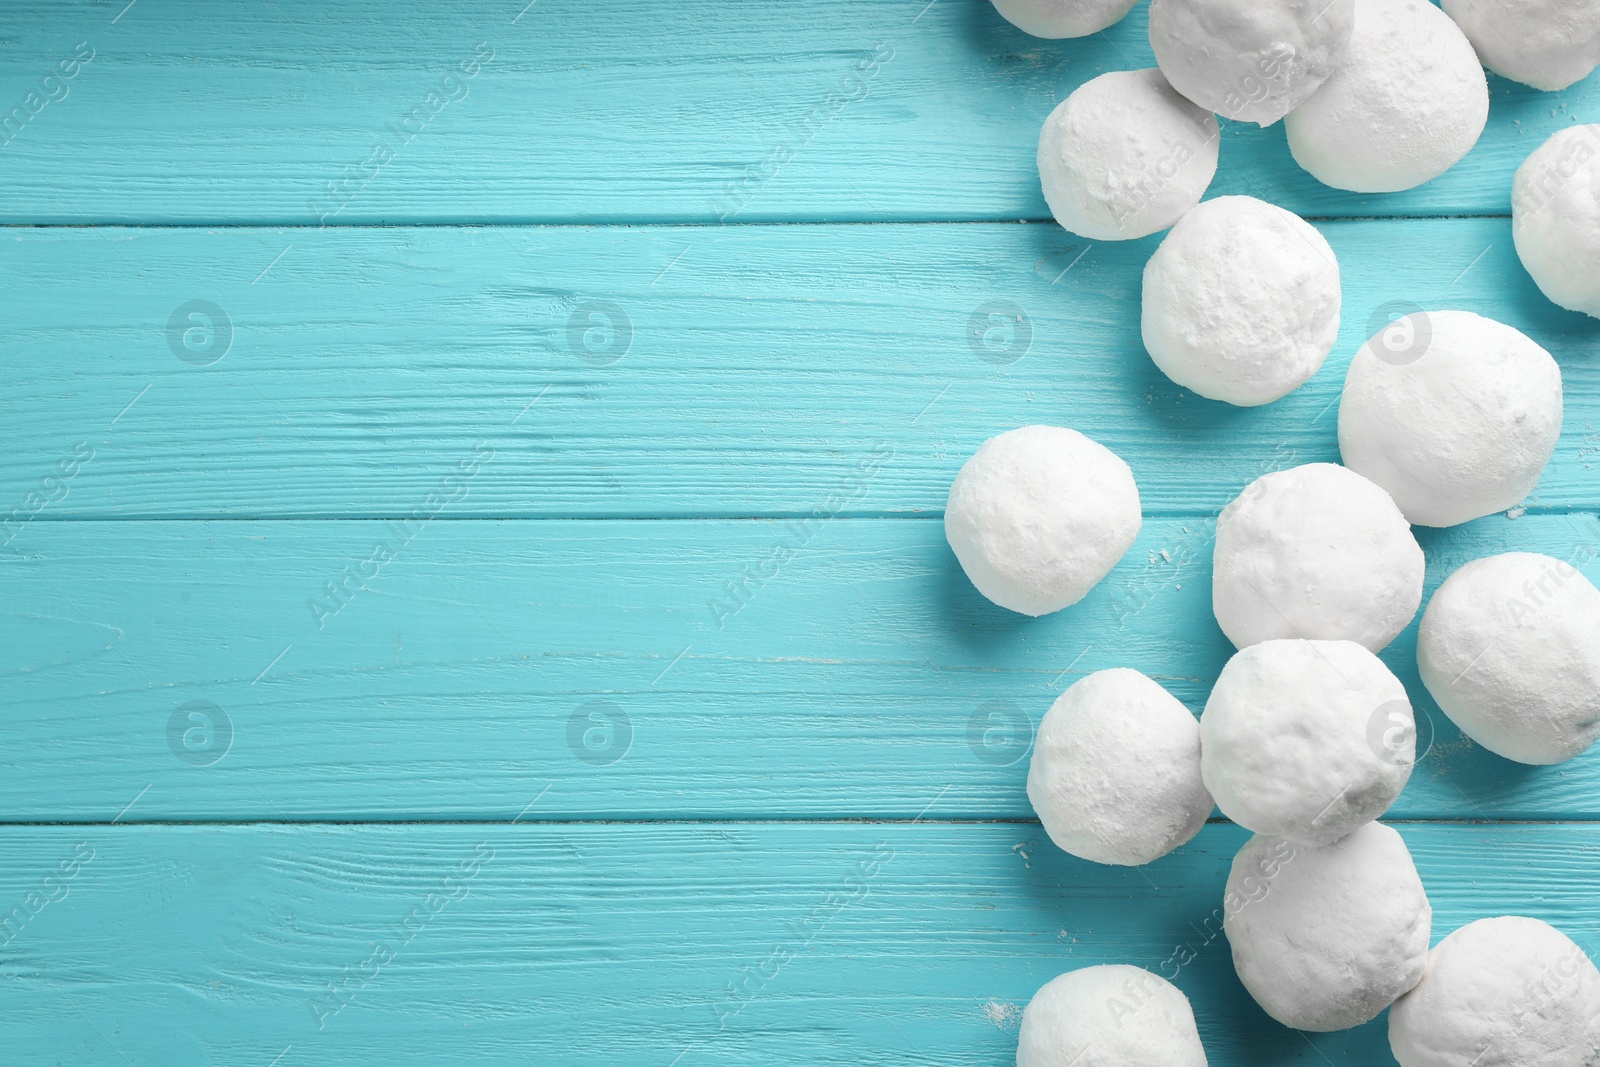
1307,737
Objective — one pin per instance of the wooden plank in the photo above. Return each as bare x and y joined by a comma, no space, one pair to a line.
668,371
707,669
731,944
375,112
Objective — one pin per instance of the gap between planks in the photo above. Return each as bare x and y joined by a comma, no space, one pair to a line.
929,515
642,224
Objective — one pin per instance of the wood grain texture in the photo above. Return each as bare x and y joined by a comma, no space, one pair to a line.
669,670
752,944
513,643
669,371
293,112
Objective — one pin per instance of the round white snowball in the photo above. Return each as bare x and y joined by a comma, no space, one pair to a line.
1457,421
1125,156
1548,44
1555,217
1317,552
1115,774
1407,103
1295,740
1506,992
1056,19
1039,515
1254,60
1326,938
1241,301
1510,648
1109,1016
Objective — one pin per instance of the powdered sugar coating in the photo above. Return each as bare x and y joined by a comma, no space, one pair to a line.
1459,424
1406,104
1253,60
1109,1016
1548,44
1315,551
1039,515
1287,742
1510,648
1555,217
1506,992
1241,301
1125,156
1115,775
1328,937
1055,19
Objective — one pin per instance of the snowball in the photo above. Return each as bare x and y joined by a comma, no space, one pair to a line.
1318,552
1510,648
1407,103
1115,776
1241,301
1326,938
1109,1016
1555,217
1247,59
1294,741
1039,515
1125,156
1456,421
1062,18
1506,992
1548,44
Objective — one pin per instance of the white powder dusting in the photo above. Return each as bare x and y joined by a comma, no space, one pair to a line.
1406,104
1125,156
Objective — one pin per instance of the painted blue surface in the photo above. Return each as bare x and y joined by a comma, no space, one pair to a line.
370,685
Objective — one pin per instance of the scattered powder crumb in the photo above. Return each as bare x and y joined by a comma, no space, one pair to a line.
1446,756
1007,1017
1516,513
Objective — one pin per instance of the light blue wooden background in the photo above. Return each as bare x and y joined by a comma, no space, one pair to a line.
541,790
